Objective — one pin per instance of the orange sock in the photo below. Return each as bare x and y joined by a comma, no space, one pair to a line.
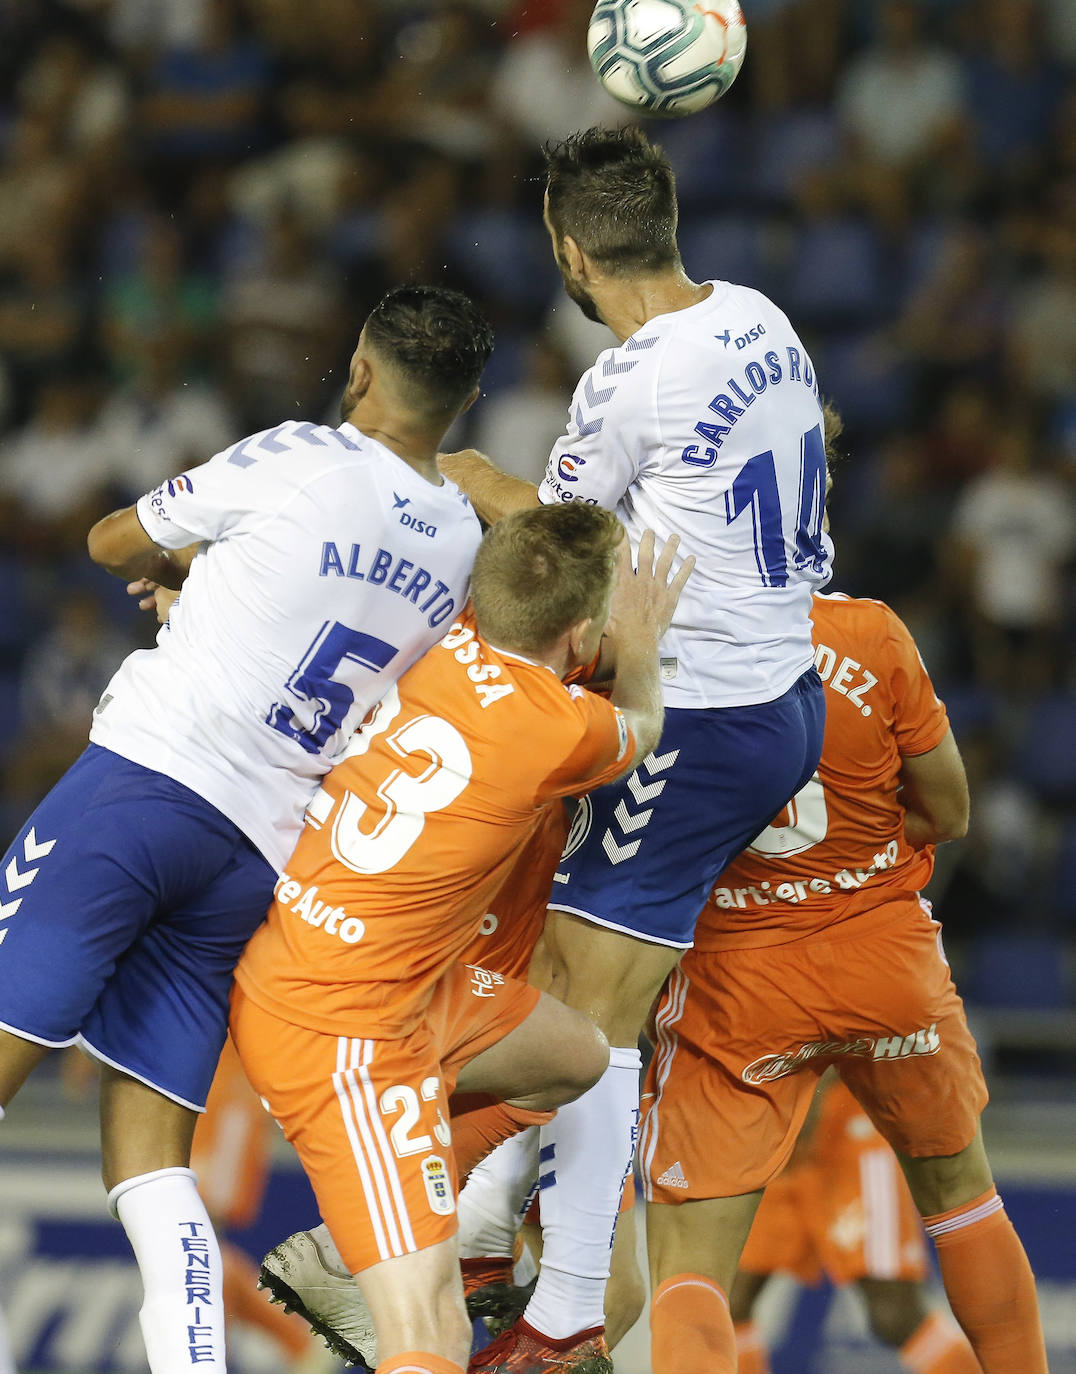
418,1362
990,1286
751,1349
690,1327
480,1123
936,1346
243,1303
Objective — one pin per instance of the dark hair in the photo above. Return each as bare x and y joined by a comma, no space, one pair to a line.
614,192
438,339
542,570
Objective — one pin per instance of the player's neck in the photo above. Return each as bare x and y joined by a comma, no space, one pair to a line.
417,445
625,306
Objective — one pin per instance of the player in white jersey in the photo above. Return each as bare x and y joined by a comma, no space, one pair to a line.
322,563
705,422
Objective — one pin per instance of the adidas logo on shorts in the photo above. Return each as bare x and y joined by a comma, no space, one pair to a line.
673,1177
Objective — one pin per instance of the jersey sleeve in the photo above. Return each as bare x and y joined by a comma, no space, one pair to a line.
919,718
599,456
602,743
207,501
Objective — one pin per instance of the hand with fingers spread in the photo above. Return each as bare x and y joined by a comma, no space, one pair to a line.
645,597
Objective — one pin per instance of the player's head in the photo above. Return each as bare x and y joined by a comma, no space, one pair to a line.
832,429
611,195
429,345
545,573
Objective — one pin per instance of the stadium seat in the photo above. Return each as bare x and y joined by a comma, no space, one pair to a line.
1017,971
836,274
709,155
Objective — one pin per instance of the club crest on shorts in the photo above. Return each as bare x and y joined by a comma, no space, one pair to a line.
438,1186
580,828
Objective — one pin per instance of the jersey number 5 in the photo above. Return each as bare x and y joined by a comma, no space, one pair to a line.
315,681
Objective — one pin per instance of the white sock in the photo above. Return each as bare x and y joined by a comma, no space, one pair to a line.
588,1148
182,1317
496,1196
331,1257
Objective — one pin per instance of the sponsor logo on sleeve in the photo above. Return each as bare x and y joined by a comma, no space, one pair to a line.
568,467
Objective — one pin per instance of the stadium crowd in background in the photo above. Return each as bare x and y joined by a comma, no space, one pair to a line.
198,201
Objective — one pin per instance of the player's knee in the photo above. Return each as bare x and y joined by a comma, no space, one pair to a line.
582,1056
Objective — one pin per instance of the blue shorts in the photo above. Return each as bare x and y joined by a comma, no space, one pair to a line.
125,903
643,853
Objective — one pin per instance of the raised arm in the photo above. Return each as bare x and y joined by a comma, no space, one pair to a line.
493,492
120,544
934,792
642,608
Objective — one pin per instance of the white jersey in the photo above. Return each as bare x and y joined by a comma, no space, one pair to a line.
331,566
706,423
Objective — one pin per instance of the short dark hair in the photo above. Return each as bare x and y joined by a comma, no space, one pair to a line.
614,192
438,339
542,570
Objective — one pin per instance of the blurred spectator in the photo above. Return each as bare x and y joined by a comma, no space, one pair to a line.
545,87
518,426
62,679
284,323
1043,337
902,98
205,99
158,294
55,469
1014,529
158,424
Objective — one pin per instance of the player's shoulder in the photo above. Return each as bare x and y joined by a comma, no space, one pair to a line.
866,621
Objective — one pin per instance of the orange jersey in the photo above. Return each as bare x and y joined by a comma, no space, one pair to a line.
415,829
838,847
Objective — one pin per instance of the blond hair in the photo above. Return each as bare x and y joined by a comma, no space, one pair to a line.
540,571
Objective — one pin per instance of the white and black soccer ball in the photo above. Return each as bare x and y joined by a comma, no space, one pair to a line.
667,57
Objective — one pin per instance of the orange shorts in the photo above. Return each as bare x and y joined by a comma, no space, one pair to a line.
845,1212
744,1034
231,1146
369,1118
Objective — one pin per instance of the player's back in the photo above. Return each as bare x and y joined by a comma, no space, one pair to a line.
415,830
838,849
707,423
332,564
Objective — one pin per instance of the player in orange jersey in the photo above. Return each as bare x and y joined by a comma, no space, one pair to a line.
842,1209
351,1014
816,950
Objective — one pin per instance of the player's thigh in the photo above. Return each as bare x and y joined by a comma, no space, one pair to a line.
716,1014
554,1055
18,1059
643,853
178,974
73,898
704,1237
610,976
914,1067
141,1129
369,1122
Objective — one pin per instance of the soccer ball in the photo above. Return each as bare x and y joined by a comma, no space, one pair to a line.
667,57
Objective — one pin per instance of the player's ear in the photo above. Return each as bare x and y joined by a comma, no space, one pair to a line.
362,375
469,402
573,255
